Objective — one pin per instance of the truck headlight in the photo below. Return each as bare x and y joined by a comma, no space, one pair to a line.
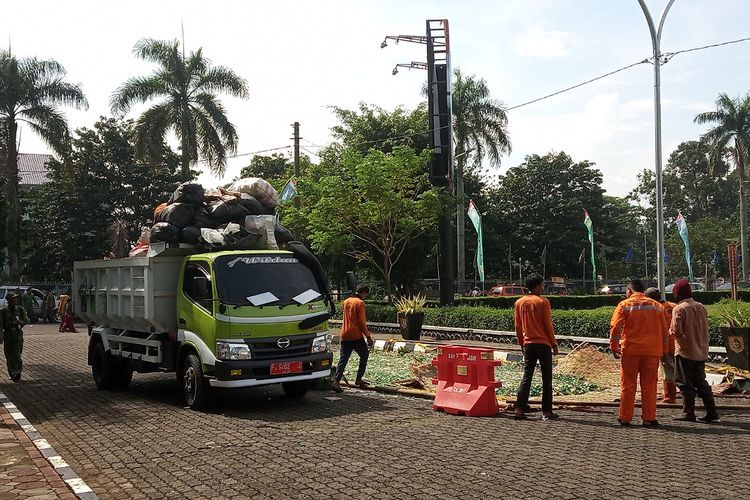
232,351
322,343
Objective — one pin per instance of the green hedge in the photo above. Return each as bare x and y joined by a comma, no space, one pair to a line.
557,301
581,323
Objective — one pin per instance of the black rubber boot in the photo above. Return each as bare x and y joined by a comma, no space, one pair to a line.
688,409
711,414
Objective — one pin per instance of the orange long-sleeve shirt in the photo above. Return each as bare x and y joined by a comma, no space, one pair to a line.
639,327
668,306
354,325
533,318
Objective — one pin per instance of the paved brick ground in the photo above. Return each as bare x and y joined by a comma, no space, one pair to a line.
144,444
24,473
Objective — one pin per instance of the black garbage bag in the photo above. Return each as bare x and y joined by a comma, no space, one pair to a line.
282,234
269,210
191,235
188,192
253,205
177,214
203,218
166,232
227,211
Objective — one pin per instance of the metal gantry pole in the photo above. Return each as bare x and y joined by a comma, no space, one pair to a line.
655,42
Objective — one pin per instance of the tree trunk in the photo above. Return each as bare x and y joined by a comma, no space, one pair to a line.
185,157
743,210
460,226
387,277
13,221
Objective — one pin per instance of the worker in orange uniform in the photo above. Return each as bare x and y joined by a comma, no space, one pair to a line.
354,336
637,335
669,389
536,336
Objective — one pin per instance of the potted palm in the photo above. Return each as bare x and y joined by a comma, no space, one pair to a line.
411,316
735,328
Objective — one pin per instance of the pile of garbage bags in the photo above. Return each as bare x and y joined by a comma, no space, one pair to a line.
240,216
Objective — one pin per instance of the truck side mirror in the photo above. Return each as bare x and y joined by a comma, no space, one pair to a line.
200,288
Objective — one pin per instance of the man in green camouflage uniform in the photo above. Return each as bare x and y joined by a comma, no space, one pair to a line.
27,301
12,320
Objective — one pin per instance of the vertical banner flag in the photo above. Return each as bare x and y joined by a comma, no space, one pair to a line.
476,220
666,256
629,255
682,227
590,226
716,259
289,191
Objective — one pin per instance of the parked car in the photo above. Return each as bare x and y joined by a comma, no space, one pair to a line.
507,291
618,289
38,299
742,285
697,287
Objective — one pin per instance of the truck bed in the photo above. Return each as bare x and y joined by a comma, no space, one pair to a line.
132,293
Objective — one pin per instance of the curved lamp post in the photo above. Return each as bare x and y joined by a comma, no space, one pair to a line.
655,42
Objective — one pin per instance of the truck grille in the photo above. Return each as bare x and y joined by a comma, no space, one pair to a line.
267,348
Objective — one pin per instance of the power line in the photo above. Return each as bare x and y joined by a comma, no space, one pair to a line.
605,75
303,148
258,152
670,55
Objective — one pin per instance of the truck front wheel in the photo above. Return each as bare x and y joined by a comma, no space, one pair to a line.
296,389
194,384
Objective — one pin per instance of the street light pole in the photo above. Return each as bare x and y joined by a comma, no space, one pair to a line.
655,42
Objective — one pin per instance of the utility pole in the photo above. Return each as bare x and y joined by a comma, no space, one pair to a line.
296,149
656,44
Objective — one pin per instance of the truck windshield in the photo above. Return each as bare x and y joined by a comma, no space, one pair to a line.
264,280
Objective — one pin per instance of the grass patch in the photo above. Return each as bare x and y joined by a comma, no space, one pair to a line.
386,368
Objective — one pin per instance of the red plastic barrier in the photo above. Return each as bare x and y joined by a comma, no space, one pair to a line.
466,381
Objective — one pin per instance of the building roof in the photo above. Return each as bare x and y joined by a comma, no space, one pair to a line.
33,169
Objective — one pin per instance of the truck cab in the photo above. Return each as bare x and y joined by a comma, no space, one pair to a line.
226,319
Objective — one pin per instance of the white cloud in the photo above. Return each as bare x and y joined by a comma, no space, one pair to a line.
543,43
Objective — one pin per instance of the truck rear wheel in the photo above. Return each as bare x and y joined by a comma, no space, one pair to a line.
296,389
195,387
102,368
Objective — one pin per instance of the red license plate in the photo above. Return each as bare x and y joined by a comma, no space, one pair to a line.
286,367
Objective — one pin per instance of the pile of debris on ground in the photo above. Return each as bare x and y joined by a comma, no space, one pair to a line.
239,216
587,362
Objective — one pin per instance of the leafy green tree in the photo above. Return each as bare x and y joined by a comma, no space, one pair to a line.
103,182
372,127
695,184
31,91
188,87
370,208
541,202
732,132
274,167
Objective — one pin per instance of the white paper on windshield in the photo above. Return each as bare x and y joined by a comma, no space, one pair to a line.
262,299
306,297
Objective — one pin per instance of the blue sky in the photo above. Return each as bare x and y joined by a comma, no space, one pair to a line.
300,57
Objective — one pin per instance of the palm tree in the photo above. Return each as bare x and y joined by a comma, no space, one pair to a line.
31,90
189,106
480,130
732,132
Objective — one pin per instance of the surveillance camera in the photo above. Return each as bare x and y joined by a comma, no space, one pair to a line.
395,70
384,44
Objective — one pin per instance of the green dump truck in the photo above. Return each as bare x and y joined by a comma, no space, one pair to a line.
224,319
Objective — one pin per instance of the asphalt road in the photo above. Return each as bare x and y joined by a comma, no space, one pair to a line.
143,443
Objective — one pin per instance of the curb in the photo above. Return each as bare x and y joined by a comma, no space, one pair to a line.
393,345
76,484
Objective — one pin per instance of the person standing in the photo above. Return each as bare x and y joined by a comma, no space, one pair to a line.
48,309
638,336
13,318
536,336
27,301
669,389
689,329
354,336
